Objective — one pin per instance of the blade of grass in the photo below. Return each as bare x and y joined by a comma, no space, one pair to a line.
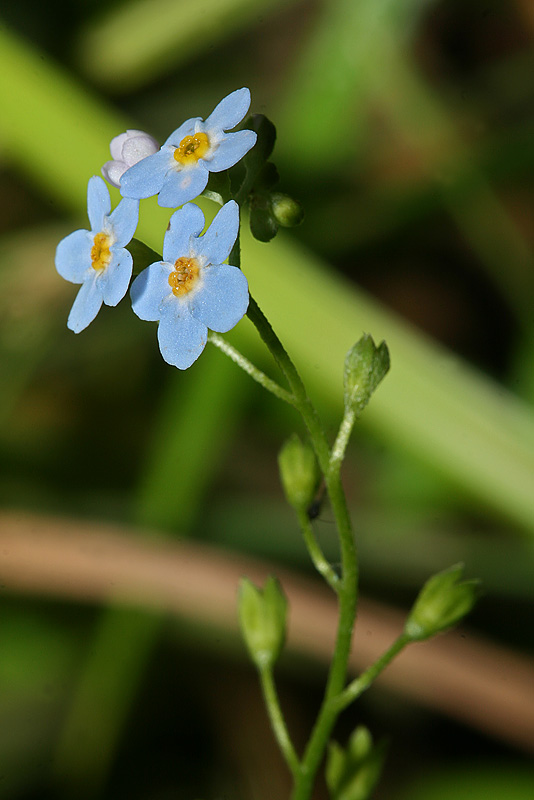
140,40
432,404
320,123
192,431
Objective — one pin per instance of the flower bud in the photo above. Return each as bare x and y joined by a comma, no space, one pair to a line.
262,617
365,366
286,211
353,773
442,602
126,150
299,472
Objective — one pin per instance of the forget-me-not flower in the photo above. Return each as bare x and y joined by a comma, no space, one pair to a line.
179,171
126,150
191,289
97,258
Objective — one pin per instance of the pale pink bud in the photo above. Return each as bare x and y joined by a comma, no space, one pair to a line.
126,150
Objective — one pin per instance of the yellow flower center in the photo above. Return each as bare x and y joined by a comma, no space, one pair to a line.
184,275
191,148
100,253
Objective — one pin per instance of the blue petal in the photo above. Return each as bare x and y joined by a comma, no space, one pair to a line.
182,186
219,239
116,278
181,337
124,220
146,178
86,305
150,289
73,256
184,223
98,203
231,149
230,111
187,128
223,299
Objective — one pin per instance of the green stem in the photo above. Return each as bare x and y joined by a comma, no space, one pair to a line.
316,554
277,719
342,438
348,585
359,685
248,367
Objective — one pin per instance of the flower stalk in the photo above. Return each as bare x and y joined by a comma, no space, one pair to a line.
195,291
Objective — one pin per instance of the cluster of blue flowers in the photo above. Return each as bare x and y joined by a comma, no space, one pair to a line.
191,289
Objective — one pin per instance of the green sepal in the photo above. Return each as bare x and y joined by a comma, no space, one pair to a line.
262,224
266,133
442,602
142,255
262,618
365,366
238,182
352,774
266,179
244,174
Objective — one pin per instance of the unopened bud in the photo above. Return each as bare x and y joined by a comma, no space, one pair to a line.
262,617
285,210
365,366
442,602
353,773
299,472
126,150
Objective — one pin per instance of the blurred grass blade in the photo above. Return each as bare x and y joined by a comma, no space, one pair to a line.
349,43
54,129
452,166
138,41
197,419
358,51
31,302
431,403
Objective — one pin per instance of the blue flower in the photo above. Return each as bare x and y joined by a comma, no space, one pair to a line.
179,171
97,258
191,289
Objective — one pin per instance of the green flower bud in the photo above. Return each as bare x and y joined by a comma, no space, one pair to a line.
365,366
441,603
353,773
262,617
299,472
286,211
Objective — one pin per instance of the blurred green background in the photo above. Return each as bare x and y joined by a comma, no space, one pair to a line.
406,128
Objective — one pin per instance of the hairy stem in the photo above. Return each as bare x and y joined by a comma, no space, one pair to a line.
248,367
